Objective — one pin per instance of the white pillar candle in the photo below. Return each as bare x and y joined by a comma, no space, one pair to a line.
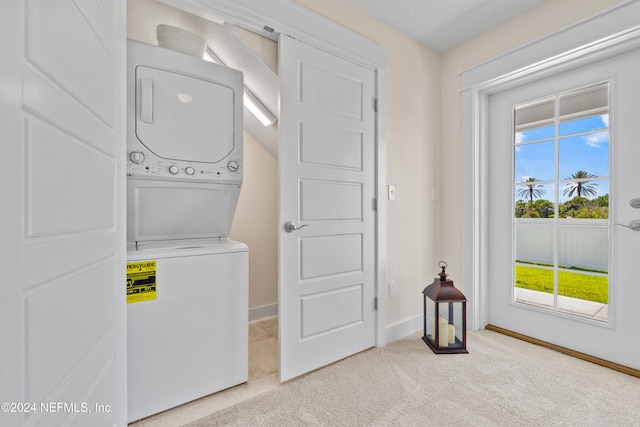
452,334
443,333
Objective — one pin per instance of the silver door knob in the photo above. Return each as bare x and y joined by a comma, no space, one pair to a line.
634,225
290,227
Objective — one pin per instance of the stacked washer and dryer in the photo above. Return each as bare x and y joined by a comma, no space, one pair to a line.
188,336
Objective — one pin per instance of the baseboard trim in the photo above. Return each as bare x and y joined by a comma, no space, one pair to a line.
402,329
611,365
269,310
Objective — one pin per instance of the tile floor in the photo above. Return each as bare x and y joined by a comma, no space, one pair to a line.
263,376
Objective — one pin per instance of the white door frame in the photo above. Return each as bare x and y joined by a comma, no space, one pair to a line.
286,17
610,33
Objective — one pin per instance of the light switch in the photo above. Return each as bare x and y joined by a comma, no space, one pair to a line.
392,192
435,193
393,289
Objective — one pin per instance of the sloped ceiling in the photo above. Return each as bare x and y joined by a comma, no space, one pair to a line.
229,44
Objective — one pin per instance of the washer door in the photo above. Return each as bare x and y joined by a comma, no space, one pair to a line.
180,117
166,210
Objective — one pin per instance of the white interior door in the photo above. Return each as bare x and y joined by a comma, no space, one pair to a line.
62,248
327,191
611,332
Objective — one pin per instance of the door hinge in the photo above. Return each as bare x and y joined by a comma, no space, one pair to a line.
375,303
375,104
375,205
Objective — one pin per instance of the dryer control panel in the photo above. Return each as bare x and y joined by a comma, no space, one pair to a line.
141,163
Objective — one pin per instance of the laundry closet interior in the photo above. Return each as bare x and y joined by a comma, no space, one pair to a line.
230,234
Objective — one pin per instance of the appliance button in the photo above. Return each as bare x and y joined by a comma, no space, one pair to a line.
189,170
233,166
173,170
136,157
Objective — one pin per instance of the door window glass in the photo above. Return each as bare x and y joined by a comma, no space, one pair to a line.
561,202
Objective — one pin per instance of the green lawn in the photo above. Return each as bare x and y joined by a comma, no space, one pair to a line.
584,286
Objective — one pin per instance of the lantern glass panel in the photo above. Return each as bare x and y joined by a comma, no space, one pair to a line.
430,319
450,324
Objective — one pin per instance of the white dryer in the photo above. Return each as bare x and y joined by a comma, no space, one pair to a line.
184,145
187,283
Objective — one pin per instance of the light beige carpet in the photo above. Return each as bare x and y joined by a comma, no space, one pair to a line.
501,382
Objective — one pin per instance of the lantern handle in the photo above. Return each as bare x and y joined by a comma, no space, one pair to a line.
443,265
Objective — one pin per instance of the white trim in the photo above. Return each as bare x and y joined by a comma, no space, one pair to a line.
298,22
381,201
404,329
597,27
610,33
289,18
269,310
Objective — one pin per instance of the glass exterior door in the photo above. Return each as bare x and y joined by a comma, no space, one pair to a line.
561,172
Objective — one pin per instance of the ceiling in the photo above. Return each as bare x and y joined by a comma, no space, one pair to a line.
445,24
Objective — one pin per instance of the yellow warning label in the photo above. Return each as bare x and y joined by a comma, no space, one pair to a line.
141,281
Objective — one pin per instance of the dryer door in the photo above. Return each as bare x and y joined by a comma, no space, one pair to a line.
166,210
180,117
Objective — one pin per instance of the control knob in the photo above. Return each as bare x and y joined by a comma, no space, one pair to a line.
136,157
233,166
189,170
173,170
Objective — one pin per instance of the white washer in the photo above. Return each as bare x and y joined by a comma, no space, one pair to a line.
192,340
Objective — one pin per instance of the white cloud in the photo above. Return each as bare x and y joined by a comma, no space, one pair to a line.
519,137
597,139
605,119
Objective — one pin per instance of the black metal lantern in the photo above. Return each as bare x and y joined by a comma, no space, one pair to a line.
445,316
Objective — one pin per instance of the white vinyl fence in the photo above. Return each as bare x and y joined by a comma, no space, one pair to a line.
582,243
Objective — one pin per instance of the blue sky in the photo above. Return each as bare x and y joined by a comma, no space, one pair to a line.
583,145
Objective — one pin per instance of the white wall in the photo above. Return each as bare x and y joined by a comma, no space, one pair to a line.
546,19
256,222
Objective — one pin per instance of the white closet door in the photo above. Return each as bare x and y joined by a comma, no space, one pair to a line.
62,219
327,182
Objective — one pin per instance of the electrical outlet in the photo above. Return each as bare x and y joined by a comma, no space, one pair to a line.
393,289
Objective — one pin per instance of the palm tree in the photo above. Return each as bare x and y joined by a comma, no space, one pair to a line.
580,185
531,189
